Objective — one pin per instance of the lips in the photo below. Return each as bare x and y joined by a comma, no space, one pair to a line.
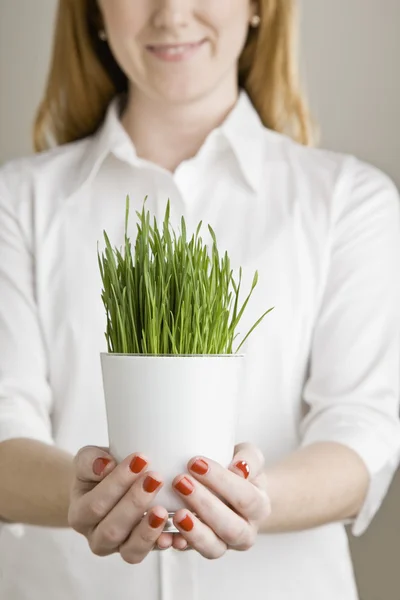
174,47
175,51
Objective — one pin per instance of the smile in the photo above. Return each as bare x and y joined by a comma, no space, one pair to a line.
175,52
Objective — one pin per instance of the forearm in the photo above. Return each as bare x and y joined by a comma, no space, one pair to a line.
315,485
34,483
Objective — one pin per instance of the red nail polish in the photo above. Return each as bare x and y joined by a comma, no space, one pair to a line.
99,465
200,467
185,486
244,467
150,484
155,521
186,524
137,464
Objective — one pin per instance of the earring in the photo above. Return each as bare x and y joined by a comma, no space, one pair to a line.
102,35
255,21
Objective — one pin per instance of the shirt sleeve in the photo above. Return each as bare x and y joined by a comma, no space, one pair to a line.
25,394
353,386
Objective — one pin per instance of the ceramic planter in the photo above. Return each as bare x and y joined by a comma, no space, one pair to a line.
172,408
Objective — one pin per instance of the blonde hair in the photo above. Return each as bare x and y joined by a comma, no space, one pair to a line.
84,75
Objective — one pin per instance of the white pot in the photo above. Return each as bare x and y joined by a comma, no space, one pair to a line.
172,408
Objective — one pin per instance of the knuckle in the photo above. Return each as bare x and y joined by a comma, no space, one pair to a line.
205,503
215,553
132,558
248,505
110,535
96,548
81,455
243,547
255,503
97,509
246,543
236,536
147,537
138,546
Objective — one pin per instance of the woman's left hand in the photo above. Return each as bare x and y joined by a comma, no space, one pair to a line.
231,503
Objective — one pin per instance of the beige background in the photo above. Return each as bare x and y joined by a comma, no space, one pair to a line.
351,50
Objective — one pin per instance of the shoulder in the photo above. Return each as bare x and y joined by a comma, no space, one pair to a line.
338,181
45,172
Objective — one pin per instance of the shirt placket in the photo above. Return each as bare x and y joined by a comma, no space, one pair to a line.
178,575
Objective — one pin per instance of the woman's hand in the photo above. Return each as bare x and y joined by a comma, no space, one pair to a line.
231,503
108,501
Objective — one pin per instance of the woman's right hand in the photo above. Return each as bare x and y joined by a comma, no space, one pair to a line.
108,501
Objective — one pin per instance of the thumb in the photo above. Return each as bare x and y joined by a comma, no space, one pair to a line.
91,465
248,461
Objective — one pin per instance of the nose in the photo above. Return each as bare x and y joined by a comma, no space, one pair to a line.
171,14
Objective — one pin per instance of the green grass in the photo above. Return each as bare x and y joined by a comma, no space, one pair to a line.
169,296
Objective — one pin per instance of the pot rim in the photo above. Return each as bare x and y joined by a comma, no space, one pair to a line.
171,356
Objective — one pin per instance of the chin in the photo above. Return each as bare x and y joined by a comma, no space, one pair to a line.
183,94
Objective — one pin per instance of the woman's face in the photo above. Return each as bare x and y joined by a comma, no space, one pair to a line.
177,50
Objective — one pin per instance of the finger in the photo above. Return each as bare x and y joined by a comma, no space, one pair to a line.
228,525
179,542
165,540
145,535
245,498
91,464
117,526
198,535
248,461
90,508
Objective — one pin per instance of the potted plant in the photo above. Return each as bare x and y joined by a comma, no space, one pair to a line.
171,376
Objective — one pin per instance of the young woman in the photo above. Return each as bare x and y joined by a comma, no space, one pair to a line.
197,101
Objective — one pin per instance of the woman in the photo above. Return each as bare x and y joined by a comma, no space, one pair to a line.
194,100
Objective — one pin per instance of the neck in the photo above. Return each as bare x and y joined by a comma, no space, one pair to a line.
169,133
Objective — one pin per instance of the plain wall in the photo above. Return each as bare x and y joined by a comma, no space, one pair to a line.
351,51
25,43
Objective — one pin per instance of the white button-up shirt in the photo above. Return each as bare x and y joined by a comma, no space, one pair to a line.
323,231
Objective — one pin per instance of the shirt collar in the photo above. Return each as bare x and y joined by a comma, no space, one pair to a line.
110,138
245,133
242,129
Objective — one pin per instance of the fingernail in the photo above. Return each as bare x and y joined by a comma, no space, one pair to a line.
99,465
186,524
200,467
155,521
150,484
184,486
137,464
244,467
